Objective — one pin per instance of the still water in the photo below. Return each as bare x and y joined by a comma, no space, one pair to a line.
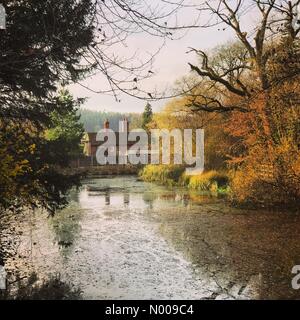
121,238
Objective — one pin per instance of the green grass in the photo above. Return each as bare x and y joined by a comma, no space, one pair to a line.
209,181
213,181
169,175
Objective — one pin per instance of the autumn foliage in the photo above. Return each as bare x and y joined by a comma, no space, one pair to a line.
252,136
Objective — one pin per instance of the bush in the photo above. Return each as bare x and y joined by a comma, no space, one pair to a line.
273,181
209,181
163,174
174,175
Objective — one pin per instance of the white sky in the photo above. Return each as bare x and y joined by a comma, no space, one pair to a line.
170,65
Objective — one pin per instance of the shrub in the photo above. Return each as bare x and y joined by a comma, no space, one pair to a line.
269,181
209,181
174,175
163,174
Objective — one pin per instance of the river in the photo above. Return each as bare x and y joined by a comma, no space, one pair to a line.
121,238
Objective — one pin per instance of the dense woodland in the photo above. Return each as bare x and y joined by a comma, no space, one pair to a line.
93,121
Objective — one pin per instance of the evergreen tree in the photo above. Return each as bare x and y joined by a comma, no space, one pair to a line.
147,116
67,131
41,48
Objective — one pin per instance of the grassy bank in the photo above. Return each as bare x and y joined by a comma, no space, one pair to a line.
175,176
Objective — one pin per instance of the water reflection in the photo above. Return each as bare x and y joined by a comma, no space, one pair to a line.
247,253
125,239
66,228
107,198
126,198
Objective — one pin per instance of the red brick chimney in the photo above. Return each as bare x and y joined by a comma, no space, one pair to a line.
106,124
124,125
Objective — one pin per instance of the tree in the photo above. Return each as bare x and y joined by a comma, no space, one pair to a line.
93,120
116,22
275,17
41,47
256,86
147,116
35,162
106,27
51,42
67,131
46,44
176,115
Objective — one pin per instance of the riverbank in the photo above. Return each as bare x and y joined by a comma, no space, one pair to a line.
220,183
212,181
107,170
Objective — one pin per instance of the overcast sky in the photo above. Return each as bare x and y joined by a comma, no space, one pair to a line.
170,65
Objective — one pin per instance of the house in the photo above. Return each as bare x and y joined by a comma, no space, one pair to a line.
90,143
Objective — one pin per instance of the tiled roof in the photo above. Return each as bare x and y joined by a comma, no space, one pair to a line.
91,137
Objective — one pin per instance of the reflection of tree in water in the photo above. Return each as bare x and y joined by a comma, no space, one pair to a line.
33,288
245,253
17,244
180,198
66,227
126,198
107,198
73,195
149,198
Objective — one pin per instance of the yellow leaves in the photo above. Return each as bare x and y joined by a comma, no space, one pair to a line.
32,148
209,181
270,174
251,61
11,168
21,168
296,166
